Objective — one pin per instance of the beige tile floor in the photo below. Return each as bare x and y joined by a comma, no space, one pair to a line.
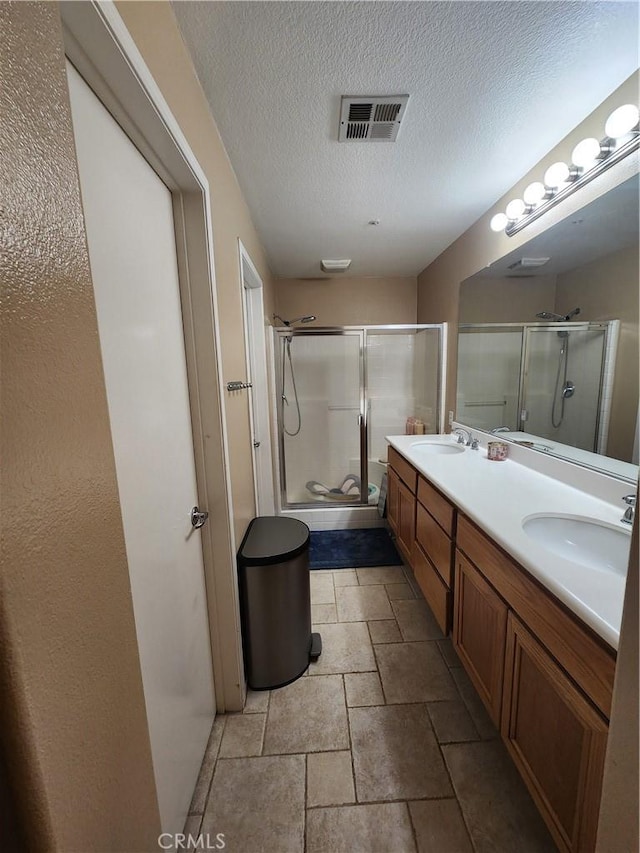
382,747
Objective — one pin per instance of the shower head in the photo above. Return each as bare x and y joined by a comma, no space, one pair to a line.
549,315
308,318
557,318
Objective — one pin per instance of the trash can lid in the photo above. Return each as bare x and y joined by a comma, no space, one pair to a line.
273,539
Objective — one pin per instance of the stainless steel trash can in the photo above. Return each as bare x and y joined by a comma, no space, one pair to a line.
275,604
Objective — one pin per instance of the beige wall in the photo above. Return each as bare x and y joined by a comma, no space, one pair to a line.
478,247
155,31
506,300
72,715
607,289
348,301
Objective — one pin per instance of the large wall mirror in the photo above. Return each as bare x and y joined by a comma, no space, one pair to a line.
548,339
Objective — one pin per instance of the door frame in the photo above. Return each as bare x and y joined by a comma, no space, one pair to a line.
256,358
101,48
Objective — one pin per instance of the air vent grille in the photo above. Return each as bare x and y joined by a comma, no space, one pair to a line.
371,119
357,129
360,112
382,130
386,112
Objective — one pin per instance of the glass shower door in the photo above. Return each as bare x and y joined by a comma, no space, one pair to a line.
489,365
320,410
562,384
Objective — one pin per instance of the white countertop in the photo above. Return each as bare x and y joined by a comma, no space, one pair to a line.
498,496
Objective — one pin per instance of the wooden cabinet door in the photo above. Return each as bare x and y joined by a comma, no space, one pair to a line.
479,633
556,738
406,521
392,499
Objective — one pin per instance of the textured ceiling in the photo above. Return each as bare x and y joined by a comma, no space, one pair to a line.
493,86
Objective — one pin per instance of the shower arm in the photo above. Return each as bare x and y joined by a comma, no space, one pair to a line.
306,318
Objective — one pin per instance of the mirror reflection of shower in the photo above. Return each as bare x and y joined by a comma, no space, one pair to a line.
560,396
286,354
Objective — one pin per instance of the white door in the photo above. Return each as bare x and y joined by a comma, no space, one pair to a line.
256,351
130,233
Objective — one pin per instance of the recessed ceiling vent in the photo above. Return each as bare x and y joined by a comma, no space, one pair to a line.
372,119
529,263
526,267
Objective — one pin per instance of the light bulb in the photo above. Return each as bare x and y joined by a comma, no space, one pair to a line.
556,175
499,222
622,121
515,208
586,152
534,193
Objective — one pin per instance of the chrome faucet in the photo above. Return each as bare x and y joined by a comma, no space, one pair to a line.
496,430
461,433
470,442
629,512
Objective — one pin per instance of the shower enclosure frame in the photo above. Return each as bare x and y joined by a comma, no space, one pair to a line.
282,332
610,329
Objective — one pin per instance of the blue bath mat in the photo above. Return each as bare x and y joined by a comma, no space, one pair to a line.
352,549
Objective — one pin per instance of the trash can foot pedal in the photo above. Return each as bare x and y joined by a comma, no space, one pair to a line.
316,647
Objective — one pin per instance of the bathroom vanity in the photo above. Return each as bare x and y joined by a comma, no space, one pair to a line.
536,632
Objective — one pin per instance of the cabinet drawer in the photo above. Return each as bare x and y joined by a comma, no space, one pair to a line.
556,738
435,592
437,504
576,649
435,543
406,472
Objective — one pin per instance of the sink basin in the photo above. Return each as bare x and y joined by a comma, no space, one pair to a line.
438,447
582,540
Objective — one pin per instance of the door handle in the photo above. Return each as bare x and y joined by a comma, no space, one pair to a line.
198,518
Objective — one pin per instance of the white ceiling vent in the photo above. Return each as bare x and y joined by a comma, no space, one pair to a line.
335,266
528,263
373,119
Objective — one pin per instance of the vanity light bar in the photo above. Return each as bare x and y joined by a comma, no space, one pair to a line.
588,160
